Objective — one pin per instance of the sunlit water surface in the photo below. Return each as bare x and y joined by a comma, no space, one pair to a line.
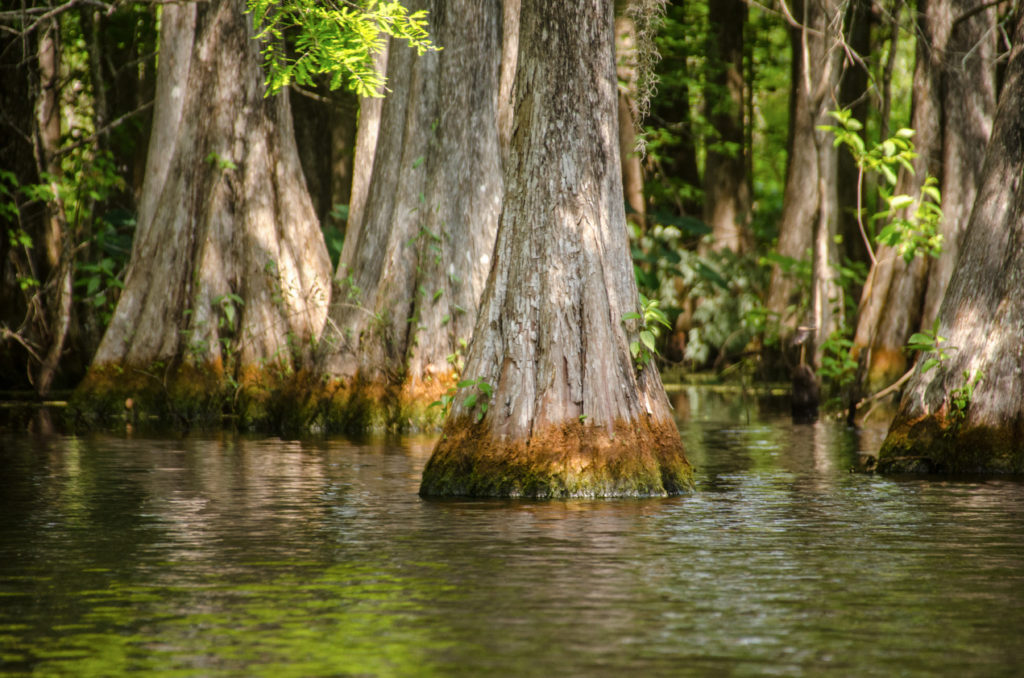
218,556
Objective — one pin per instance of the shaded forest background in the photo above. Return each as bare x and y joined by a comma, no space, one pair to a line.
797,178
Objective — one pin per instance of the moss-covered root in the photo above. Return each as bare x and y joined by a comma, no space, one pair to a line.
935,444
571,460
114,394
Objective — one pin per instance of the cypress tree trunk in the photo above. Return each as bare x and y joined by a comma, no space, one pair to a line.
367,130
727,193
229,275
954,98
967,414
810,217
413,269
570,414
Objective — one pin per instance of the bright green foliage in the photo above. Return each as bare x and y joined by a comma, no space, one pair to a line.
960,397
649,317
920,232
333,38
929,341
478,400
907,233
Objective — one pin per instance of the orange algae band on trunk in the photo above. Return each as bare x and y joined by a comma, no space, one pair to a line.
563,462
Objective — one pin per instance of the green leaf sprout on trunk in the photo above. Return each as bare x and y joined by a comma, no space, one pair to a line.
649,318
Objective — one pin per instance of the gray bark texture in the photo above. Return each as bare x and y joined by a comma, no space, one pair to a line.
570,414
810,210
224,215
953,104
414,264
967,414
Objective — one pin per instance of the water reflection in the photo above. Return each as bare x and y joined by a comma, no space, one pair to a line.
225,555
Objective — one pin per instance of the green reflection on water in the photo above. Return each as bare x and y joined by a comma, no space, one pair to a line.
345,619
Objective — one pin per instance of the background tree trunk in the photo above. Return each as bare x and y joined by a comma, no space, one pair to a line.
367,131
810,216
229,273
969,105
967,414
411,276
854,94
954,97
727,191
629,120
570,414
325,134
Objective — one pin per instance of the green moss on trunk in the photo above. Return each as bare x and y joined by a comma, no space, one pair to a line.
182,398
572,460
267,399
937,444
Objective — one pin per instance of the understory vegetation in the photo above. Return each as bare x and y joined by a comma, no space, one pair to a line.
70,183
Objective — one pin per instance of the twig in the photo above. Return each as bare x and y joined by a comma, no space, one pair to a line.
884,392
860,215
7,334
103,130
972,12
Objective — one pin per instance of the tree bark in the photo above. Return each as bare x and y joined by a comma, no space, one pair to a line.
954,98
967,414
629,120
365,151
570,413
229,275
411,275
727,191
810,215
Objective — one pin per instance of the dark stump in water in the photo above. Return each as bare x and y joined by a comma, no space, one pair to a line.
806,395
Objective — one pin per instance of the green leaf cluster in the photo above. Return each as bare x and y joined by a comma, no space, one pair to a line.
303,39
960,398
649,318
479,400
929,342
909,233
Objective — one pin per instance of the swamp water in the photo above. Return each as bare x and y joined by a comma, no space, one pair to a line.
230,556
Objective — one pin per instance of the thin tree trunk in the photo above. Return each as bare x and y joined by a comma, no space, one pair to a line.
570,413
629,122
855,95
229,275
367,131
56,291
967,414
810,217
951,116
727,191
411,276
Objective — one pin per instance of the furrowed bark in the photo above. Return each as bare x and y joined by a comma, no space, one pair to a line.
967,413
570,413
